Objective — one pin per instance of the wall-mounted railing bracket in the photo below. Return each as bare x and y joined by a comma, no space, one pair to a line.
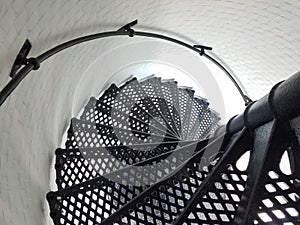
247,100
23,65
128,27
22,60
203,48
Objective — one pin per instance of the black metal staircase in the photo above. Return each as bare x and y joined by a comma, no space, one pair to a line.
150,152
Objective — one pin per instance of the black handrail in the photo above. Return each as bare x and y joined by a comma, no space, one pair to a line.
23,66
282,102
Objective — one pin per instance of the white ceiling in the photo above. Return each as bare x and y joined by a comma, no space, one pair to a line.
258,40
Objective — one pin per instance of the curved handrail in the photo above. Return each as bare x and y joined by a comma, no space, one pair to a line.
33,63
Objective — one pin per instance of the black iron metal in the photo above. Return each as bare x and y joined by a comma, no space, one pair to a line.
170,92
64,203
19,73
198,111
179,189
213,201
186,97
74,166
97,111
109,160
271,141
270,195
109,180
203,48
285,97
85,134
141,99
263,193
89,202
128,27
126,114
161,202
162,166
21,59
246,99
206,125
257,167
152,87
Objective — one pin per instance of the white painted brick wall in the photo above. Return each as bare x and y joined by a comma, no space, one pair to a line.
259,40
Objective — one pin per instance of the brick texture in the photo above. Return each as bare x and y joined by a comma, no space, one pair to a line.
259,41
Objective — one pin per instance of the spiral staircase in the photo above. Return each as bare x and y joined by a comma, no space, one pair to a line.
152,152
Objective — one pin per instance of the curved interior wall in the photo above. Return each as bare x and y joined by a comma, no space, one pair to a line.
258,40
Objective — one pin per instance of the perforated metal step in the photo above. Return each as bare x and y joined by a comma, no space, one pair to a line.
74,166
163,201
254,191
185,106
100,113
121,109
153,89
85,134
89,202
142,102
170,93
103,190
131,140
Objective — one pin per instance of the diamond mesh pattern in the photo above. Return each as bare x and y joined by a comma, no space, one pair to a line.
152,87
277,192
126,163
157,168
124,143
74,166
161,203
216,202
133,90
101,113
99,110
186,100
218,206
84,134
280,203
101,192
276,196
170,92
89,202
199,107
206,124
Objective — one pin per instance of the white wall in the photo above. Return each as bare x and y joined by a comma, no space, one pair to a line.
259,40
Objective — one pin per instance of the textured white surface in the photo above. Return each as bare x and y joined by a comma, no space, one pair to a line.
259,40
